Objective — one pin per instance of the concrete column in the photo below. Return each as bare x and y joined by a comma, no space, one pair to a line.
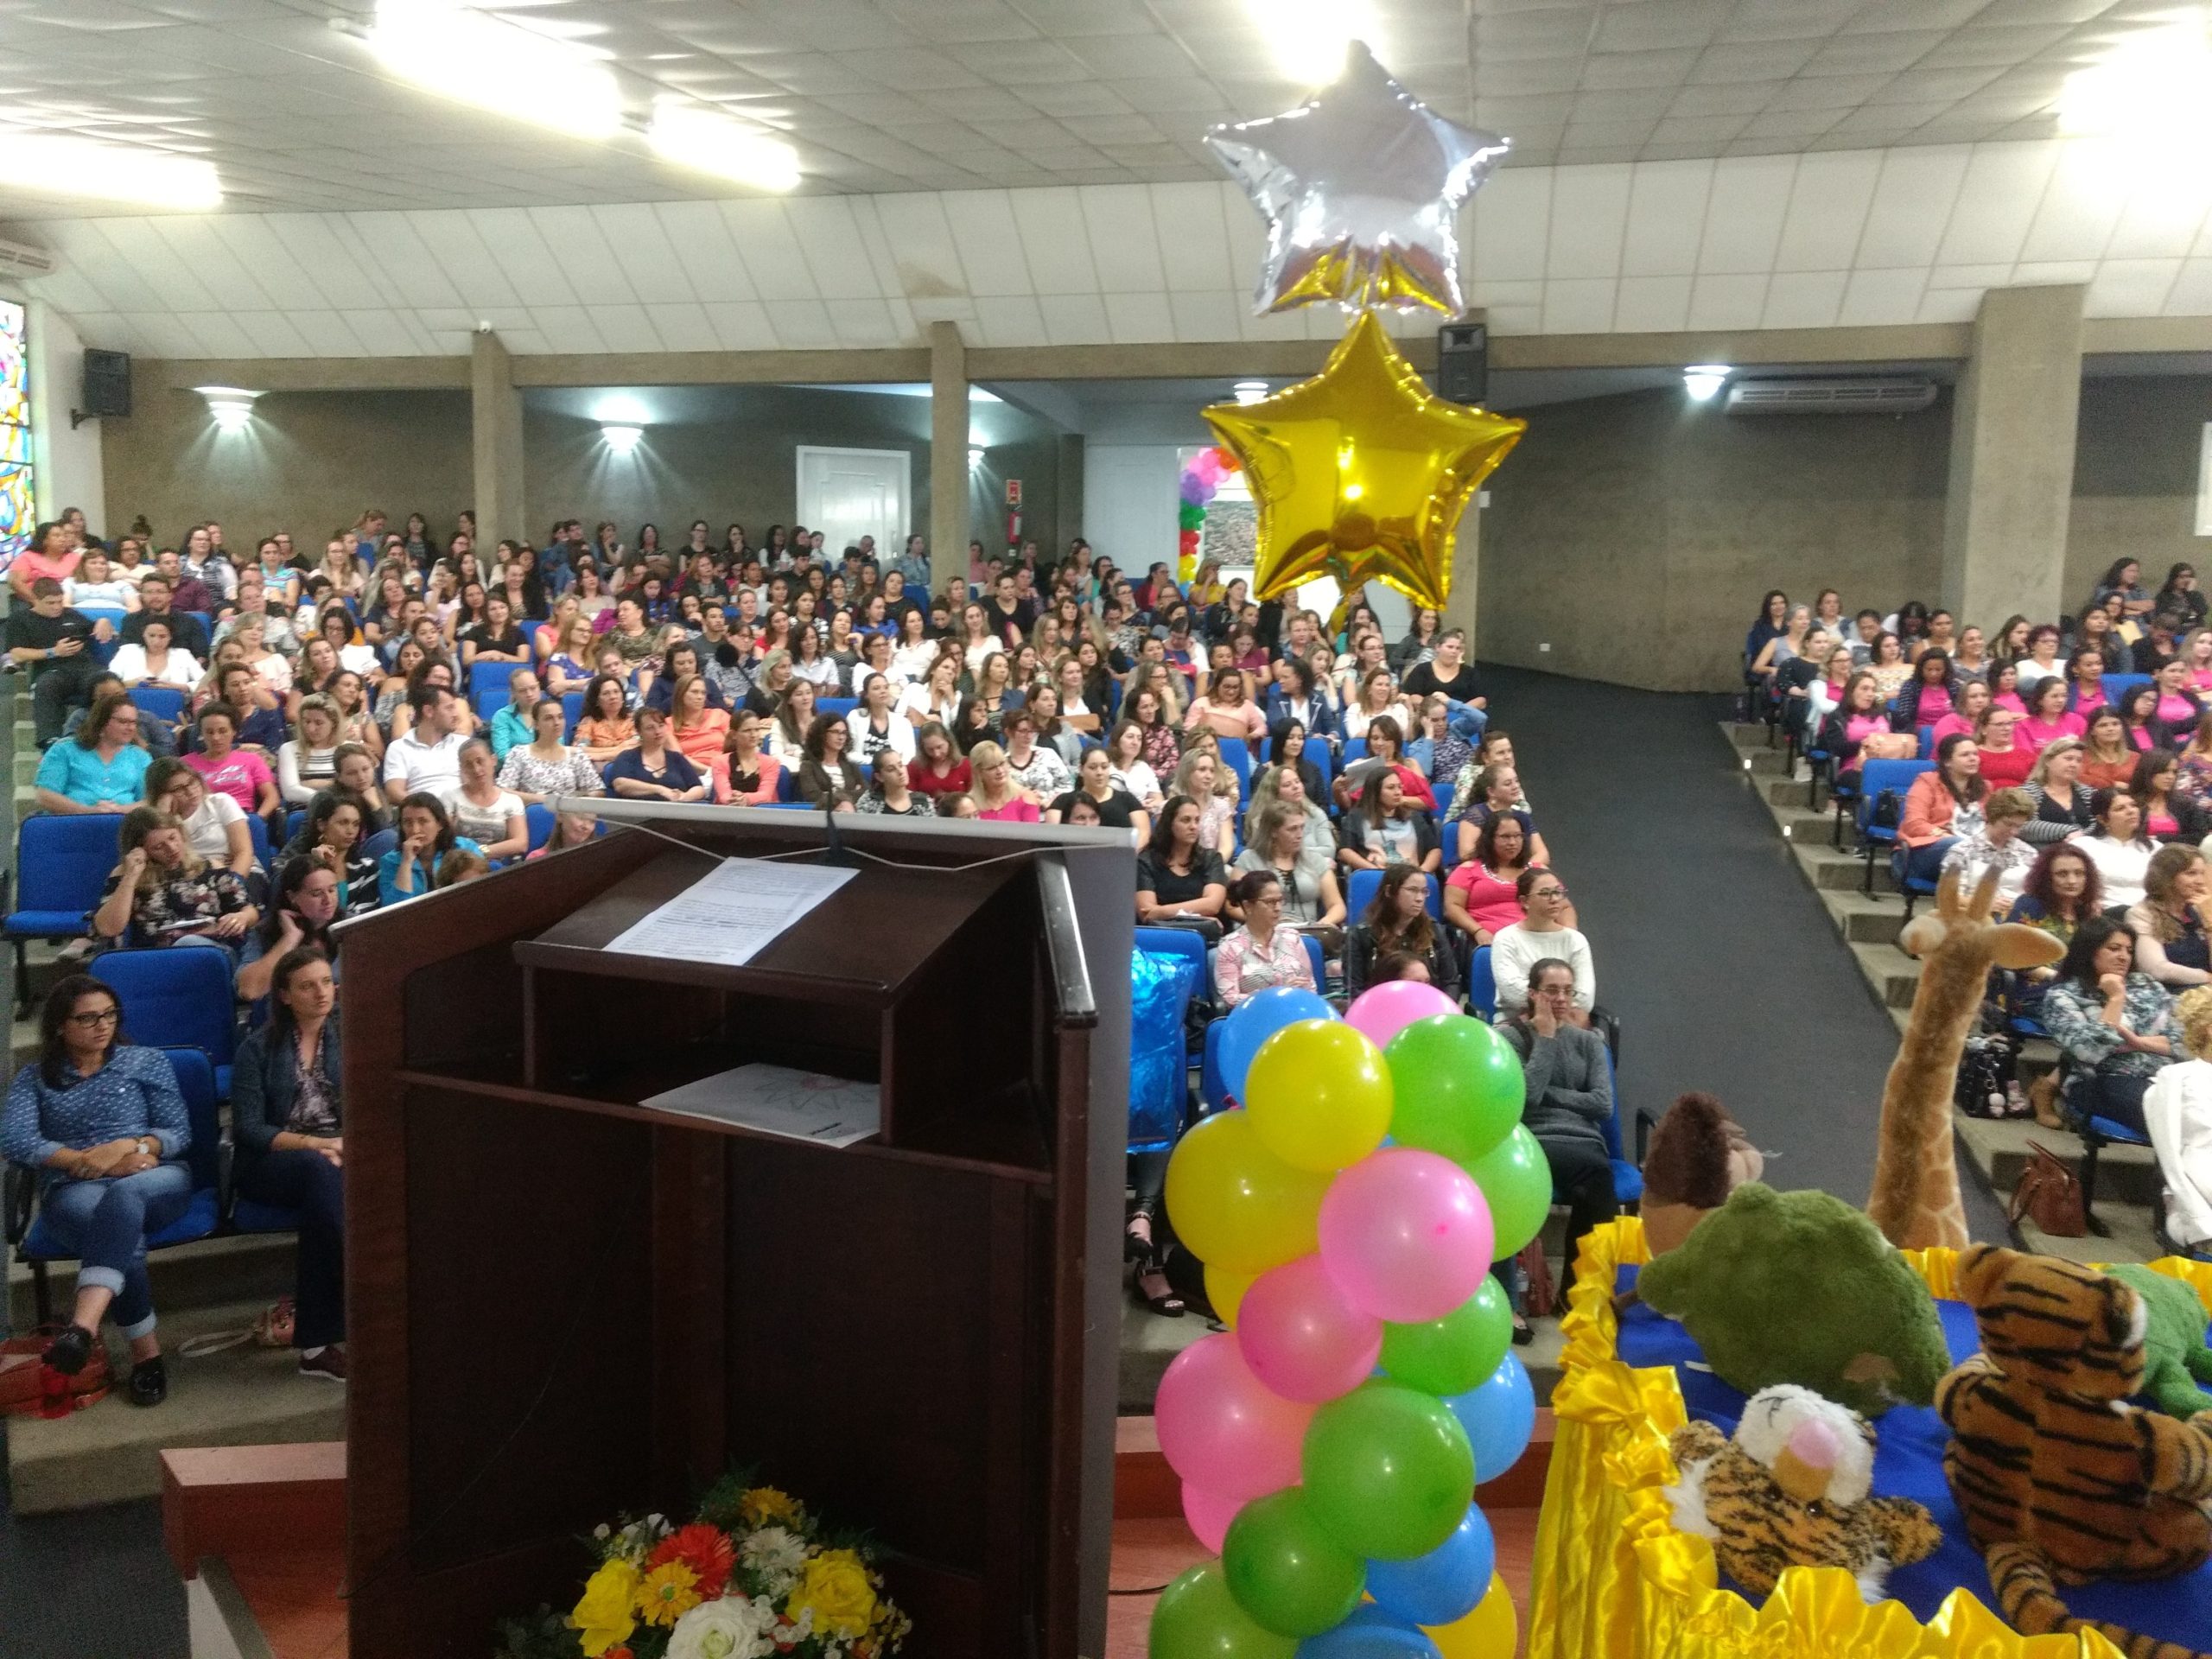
2011,483
949,490
1067,495
1459,611
495,412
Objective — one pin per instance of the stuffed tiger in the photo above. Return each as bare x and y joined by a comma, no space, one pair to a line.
2060,1479
1791,1489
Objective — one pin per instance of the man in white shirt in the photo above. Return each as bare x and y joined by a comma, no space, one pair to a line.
427,758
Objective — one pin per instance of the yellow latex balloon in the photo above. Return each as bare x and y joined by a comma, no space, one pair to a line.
1236,1203
1489,1632
1225,1290
1362,472
1320,1095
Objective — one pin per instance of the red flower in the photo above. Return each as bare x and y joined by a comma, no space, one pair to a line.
619,1653
706,1550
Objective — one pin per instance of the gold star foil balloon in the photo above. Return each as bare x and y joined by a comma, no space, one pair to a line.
1362,472
1361,187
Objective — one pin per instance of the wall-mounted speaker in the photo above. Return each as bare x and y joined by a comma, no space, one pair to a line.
1463,362
107,383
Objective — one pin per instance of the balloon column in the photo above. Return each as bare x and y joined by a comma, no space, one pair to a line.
1202,476
1330,1443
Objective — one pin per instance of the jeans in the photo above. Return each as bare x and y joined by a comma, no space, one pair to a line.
1466,720
65,685
380,844
1923,863
105,1224
2119,1095
296,1178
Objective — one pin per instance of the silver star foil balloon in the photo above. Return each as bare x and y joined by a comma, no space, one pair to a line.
1362,185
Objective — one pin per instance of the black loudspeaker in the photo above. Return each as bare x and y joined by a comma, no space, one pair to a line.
107,383
1463,362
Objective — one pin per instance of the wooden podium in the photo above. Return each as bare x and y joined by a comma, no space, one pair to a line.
563,1306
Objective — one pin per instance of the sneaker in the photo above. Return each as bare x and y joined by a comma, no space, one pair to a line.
150,1382
327,1364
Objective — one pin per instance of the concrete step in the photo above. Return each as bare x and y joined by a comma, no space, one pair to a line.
1834,871
1894,976
1862,920
2128,1234
2127,1176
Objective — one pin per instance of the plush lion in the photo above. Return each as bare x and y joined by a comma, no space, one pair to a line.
2060,1478
1793,1489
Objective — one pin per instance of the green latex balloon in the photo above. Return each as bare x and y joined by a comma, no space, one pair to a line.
1457,1086
1517,1182
1388,1470
1285,1571
1457,1352
1196,1618
1190,516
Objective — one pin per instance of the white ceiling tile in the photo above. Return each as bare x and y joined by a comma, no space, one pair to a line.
641,247
1803,299
573,238
2045,273
1666,218
1124,245
683,327
2192,290
1588,218
1828,206
1206,316
167,332
1912,203
1056,245
700,237
829,237
1075,319
532,268
1580,306
327,333
458,248
1518,319
990,242
251,240
1881,296
1014,320
921,244
2131,288
1510,224
409,267
1652,305
2163,216
148,253
801,325
1997,201
1744,213
219,333
1949,305
625,328
192,242
273,335
773,257
1275,325
2079,208
1190,221
860,323
381,332
88,252
1727,302
568,328
1140,319
741,326
1971,275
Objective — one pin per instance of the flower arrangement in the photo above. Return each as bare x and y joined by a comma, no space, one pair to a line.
753,1576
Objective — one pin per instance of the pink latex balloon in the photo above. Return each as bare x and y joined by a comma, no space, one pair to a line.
1406,1235
1383,1011
1302,1337
1208,1515
1222,1429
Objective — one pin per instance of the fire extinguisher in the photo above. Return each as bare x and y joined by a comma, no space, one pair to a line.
1013,527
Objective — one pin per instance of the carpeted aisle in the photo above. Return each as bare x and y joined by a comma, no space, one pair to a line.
1725,971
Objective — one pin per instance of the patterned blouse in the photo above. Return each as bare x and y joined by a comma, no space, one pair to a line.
1242,965
2074,1014
134,1093
181,905
528,773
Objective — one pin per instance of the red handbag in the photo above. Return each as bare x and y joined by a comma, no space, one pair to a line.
29,1387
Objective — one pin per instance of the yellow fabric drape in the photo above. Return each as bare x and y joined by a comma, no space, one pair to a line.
1614,1580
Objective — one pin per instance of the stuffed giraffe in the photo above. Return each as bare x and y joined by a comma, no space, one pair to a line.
1915,1201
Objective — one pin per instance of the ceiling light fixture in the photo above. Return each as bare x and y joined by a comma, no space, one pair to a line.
1308,38
460,53
2156,85
692,136
232,406
621,436
1701,380
974,458
67,166
1251,392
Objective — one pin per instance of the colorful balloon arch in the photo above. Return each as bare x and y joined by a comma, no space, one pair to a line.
1202,476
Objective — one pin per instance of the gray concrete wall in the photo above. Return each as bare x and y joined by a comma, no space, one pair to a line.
1634,534
2135,478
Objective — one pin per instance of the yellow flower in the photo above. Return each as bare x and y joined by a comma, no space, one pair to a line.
836,1587
603,1618
667,1594
764,1504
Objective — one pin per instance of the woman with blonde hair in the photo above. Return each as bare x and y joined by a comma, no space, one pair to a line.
997,796
700,732
1202,777
794,717
2063,803
162,893
308,761
1378,699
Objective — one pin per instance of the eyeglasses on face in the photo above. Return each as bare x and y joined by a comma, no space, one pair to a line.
102,1017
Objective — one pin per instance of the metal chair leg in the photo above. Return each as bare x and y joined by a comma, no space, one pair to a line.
41,1294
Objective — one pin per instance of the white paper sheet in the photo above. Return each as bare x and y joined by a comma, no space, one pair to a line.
732,913
804,1105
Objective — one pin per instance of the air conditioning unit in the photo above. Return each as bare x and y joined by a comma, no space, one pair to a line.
21,259
1830,397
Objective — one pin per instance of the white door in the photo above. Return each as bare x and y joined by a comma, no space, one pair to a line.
849,493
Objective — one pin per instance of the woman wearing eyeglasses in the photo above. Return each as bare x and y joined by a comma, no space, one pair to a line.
104,1124
1540,934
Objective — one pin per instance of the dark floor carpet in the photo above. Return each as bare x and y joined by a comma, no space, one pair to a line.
1710,945
89,1586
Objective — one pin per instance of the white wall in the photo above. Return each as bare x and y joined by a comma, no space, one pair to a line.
69,474
1129,503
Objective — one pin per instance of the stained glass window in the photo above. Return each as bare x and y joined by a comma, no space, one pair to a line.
16,509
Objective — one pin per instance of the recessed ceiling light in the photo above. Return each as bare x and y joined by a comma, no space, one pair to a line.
692,136
232,406
515,72
622,437
63,165
1249,391
2155,85
1308,38
1702,380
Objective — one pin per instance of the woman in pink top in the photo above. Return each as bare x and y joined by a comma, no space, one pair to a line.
2047,720
2138,712
2087,671
54,554
240,773
1973,697
2196,652
997,796
1227,710
2005,687
1480,896
2178,706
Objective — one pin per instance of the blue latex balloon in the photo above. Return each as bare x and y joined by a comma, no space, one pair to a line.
1499,1416
1368,1632
1444,1586
1256,1019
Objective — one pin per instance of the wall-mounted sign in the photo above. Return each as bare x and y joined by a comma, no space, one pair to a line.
1014,491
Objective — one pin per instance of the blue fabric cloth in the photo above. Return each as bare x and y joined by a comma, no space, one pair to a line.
1159,987
80,774
388,890
135,1093
1909,1462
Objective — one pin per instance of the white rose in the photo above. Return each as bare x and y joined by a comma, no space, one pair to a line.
720,1630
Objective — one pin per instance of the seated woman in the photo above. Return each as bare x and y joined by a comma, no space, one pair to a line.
514,726
1227,711
240,773
653,769
2139,713
483,812
336,836
1116,808
1386,828
1385,751
1568,1079
2115,1024
2168,815
2178,708
309,898
1858,718
2061,893
156,659
1398,922
569,830
1179,878
2048,719
102,1122
2063,805
214,826
997,796
1965,712
2108,759
876,724
545,767
888,794
2178,1111
1289,747
288,1123
162,893
2115,843
1267,950
1131,772
1998,846
1037,767
1940,806
307,761
102,769
937,769
426,835
1482,897
1202,776
1929,695
2005,761
827,776
1496,789
700,731
1540,933
1286,786
2171,945
605,727
755,776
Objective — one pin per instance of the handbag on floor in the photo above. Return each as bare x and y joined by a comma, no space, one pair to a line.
22,1370
2050,1195
1541,1298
